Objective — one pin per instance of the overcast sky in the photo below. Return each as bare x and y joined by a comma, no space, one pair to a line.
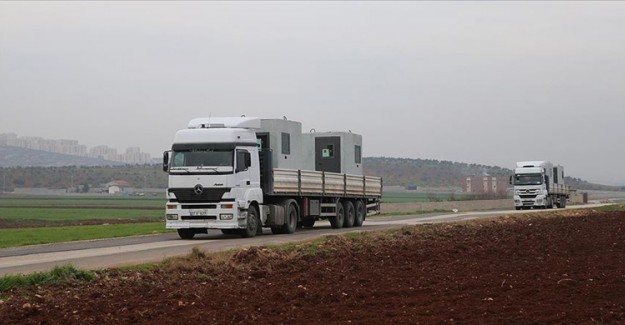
476,82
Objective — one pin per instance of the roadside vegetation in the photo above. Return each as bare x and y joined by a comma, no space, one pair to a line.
60,274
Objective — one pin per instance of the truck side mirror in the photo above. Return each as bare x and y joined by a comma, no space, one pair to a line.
546,181
510,180
165,161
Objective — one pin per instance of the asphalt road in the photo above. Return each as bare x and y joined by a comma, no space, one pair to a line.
143,249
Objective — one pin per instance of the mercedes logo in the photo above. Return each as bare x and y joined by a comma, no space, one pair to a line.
198,189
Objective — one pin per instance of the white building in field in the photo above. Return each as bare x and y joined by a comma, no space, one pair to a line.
117,187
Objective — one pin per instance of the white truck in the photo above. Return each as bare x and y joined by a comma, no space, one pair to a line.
240,174
538,184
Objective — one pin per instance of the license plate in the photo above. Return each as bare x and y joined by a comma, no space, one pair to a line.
202,212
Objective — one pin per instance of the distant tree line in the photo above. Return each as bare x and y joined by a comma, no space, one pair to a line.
394,171
82,178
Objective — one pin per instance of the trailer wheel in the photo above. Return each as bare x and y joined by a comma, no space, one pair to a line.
360,213
350,214
186,233
251,226
563,202
337,220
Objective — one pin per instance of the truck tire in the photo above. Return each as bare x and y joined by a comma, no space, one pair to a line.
350,214
563,202
186,233
291,220
361,213
252,223
550,203
337,220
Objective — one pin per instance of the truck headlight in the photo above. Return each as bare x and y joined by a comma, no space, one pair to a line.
172,217
225,216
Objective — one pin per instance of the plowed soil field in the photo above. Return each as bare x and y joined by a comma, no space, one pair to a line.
559,268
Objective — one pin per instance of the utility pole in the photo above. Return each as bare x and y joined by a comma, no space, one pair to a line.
4,181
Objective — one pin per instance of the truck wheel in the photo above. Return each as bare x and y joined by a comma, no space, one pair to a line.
252,223
291,220
360,213
350,214
186,233
337,220
563,202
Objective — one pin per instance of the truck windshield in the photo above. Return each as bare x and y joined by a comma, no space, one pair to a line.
528,179
203,158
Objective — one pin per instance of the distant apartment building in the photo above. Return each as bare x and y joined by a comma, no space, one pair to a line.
104,152
132,155
486,185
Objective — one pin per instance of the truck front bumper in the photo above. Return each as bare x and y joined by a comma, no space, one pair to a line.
538,201
222,215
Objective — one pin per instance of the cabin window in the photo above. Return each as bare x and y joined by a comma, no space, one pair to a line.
327,151
286,143
357,154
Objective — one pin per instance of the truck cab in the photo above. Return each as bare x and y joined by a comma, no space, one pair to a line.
214,176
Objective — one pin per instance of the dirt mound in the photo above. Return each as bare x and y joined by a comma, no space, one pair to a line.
513,269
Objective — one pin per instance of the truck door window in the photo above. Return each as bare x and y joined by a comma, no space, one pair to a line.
244,160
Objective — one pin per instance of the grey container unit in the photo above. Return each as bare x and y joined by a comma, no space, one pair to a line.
336,152
284,139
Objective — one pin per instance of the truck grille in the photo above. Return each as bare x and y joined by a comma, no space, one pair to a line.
531,196
188,195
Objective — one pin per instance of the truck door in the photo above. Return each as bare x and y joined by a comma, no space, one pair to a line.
243,163
328,154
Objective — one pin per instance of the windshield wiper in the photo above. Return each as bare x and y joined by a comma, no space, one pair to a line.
211,168
180,168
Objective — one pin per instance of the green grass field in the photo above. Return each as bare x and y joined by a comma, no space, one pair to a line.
408,197
33,220
65,215
68,201
47,235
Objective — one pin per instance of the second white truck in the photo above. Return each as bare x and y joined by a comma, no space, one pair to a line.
538,184
241,174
